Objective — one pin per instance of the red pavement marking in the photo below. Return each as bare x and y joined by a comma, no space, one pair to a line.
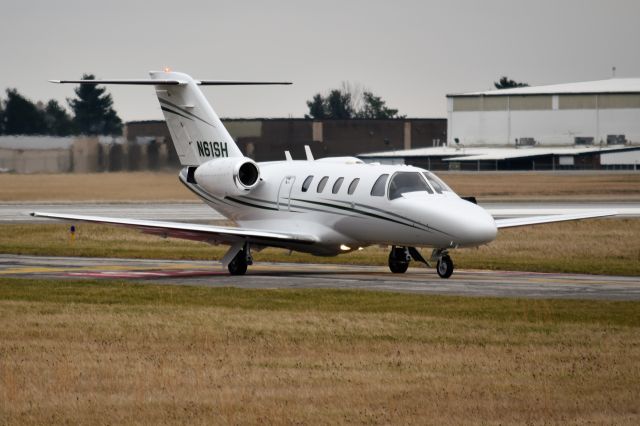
147,274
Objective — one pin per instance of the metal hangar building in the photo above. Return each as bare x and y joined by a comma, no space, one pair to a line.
601,112
586,125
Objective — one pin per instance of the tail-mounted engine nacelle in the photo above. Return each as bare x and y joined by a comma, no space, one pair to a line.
228,176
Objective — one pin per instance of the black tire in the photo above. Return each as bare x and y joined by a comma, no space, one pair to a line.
444,267
238,265
396,265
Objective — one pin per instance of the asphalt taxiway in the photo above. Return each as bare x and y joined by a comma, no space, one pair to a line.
289,275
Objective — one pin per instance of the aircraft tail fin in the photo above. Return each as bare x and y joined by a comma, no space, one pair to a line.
197,132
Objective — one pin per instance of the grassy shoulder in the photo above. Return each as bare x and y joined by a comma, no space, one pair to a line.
116,352
124,293
164,186
606,246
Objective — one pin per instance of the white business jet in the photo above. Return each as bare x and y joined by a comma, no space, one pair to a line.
324,207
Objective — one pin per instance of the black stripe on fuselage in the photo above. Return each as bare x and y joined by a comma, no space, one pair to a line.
250,204
203,194
411,223
288,206
361,212
403,218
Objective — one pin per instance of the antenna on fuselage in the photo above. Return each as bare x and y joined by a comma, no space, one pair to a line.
287,156
307,151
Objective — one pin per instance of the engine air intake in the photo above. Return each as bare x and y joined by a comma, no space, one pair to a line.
228,176
248,174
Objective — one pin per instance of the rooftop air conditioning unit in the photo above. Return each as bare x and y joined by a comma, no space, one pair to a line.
525,142
616,139
583,140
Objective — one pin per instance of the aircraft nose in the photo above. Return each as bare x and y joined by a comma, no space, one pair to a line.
475,225
481,228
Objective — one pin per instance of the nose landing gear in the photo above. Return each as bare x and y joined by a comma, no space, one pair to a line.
445,266
399,259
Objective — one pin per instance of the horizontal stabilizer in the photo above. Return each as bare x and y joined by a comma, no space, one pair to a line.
196,131
240,83
171,82
538,220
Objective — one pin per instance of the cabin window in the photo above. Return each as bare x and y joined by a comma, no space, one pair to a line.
353,185
403,182
436,182
378,187
307,183
322,183
337,185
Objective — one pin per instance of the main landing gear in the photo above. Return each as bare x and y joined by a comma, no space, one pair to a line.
238,266
399,259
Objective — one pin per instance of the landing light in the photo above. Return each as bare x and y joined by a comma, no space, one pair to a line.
344,248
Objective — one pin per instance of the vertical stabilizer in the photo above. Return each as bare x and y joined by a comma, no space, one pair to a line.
196,130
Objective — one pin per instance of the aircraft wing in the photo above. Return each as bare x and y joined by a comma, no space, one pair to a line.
190,231
537,220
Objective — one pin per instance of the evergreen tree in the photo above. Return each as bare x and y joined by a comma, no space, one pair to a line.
93,112
58,121
375,108
507,83
21,116
1,118
317,107
339,104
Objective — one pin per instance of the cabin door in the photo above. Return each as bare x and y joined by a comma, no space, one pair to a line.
284,193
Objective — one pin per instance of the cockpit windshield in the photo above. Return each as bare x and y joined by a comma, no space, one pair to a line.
436,182
403,182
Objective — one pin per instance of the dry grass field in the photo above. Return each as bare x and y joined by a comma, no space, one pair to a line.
102,352
147,186
117,353
601,246
134,186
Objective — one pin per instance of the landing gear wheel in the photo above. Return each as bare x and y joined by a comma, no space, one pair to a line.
445,267
238,265
397,262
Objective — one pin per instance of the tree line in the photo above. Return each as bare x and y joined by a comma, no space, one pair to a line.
92,110
350,101
92,113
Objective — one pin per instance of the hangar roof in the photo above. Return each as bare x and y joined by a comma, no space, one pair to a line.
35,142
480,154
612,85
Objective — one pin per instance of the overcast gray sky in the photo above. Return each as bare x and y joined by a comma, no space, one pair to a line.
409,52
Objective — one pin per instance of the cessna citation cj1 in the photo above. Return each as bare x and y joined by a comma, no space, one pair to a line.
324,207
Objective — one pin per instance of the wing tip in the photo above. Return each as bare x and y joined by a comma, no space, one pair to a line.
553,218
